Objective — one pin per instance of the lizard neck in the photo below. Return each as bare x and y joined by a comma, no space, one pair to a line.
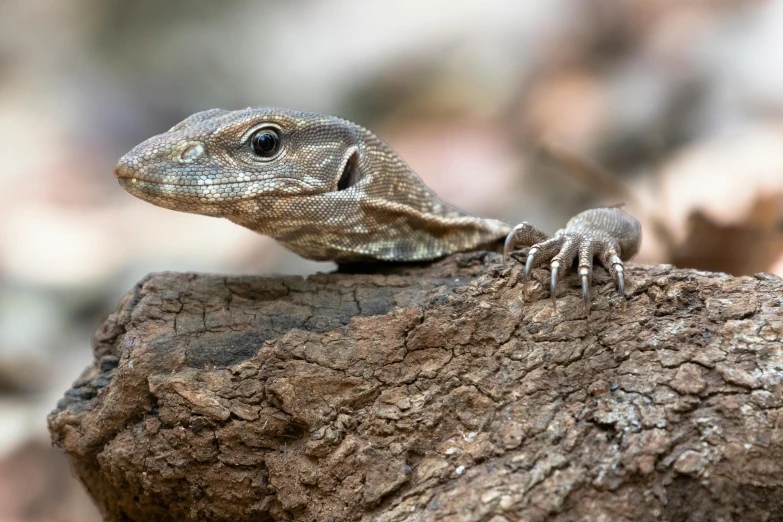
385,213
374,229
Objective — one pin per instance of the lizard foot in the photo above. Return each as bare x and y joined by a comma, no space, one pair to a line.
609,234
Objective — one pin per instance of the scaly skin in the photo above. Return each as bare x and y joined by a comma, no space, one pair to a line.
330,190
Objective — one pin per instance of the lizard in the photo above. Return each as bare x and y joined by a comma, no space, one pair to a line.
330,190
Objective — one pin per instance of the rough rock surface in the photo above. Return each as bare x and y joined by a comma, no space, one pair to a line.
433,393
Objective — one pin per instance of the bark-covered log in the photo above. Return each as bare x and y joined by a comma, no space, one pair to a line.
434,393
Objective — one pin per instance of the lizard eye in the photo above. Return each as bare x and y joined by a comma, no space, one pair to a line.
265,142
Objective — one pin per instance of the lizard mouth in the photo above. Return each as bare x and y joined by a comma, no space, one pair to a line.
126,176
175,183
121,171
215,192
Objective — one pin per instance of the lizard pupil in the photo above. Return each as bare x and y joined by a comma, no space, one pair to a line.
265,143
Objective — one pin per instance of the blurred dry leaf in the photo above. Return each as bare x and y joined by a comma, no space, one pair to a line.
748,246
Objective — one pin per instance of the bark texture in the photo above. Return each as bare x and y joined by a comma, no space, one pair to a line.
434,393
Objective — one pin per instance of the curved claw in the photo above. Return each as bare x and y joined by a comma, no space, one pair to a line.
508,246
553,284
620,284
585,290
531,256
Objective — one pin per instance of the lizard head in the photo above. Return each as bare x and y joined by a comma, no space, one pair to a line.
230,163
324,187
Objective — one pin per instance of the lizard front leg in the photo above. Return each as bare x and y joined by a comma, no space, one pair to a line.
609,234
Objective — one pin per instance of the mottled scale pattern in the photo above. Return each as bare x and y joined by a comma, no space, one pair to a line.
206,165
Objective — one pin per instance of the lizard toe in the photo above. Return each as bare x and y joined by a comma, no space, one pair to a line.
523,234
564,258
614,265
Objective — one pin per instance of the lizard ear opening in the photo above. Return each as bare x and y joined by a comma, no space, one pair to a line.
350,175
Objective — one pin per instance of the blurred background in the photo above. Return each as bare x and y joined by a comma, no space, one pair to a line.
514,110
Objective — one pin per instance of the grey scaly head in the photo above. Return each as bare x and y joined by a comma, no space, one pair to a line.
324,187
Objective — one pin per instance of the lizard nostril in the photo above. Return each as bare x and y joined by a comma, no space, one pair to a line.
191,153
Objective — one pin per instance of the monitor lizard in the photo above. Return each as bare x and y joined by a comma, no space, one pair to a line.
330,190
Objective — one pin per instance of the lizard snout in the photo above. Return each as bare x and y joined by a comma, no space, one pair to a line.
123,170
